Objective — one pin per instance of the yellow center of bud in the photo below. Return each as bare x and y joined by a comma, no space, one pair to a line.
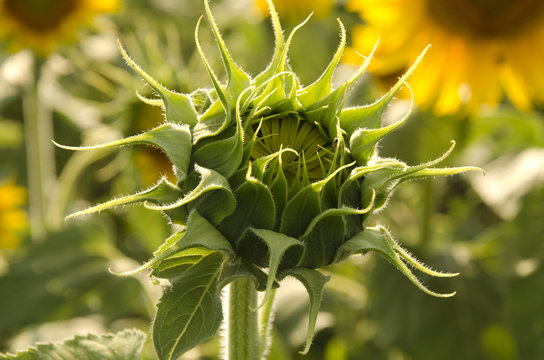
293,132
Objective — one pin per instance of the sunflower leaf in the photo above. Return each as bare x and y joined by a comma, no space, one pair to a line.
193,298
124,345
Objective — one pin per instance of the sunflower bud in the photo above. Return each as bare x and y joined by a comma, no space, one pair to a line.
270,174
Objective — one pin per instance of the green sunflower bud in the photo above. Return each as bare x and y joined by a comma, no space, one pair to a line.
271,175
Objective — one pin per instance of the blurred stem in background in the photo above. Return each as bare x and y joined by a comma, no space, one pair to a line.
38,122
428,196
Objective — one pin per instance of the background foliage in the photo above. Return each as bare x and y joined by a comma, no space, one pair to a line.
61,286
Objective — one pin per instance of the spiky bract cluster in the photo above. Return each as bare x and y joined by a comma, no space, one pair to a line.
270,174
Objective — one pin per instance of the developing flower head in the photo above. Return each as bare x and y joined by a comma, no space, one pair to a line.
270,174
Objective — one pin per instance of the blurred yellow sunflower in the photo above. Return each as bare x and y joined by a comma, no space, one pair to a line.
481,49
296,10
42,24
151,163
12,218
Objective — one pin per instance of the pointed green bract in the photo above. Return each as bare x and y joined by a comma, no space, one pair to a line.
161,193
314,282
211,183
277,245
380,241
254,208
237,80
173,139
363,141
179,108
322,87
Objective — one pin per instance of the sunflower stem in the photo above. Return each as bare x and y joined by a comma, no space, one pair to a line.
266,319
242,322
39,153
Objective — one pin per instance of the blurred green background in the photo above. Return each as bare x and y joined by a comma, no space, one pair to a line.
54,281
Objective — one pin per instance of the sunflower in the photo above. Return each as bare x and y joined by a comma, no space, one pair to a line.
269,174
482,49
12,218
295,10
42,24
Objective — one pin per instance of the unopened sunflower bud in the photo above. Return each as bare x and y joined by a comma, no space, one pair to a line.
271,174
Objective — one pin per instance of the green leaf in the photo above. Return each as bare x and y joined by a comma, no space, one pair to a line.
321,243
174,140
189,312
179,108
314,282
201,100
277,245
218,200
380,241
282,63
222,153
124,345
161,193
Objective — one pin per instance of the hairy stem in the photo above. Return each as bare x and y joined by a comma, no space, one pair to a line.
242,322
266,318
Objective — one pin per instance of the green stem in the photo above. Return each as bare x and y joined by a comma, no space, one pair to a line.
242,323
266,318
39,153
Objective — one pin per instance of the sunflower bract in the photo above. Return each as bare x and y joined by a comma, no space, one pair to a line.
271,174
